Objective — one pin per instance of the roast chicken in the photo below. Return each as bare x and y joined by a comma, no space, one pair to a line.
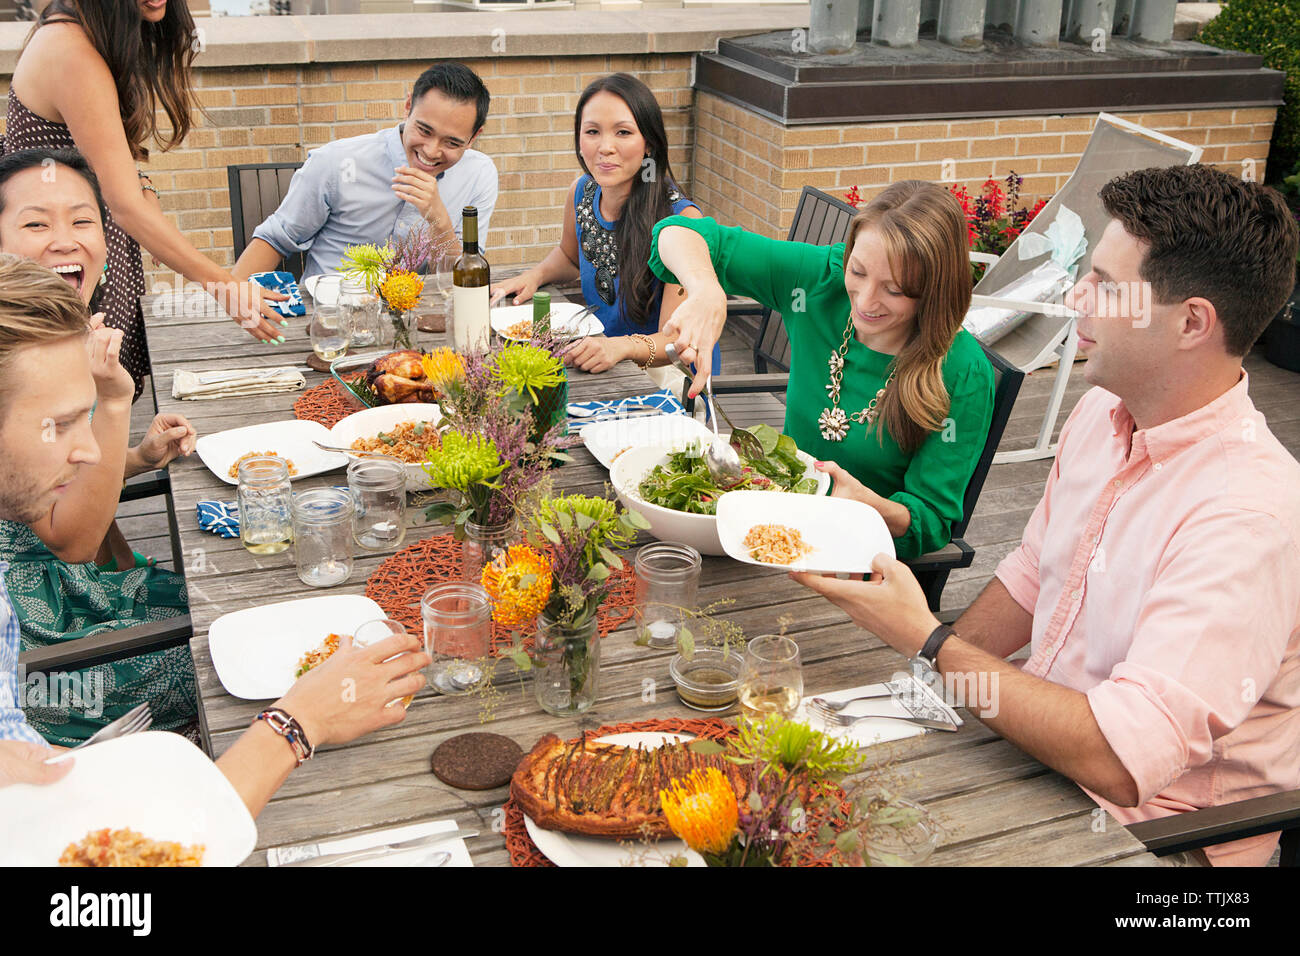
399,377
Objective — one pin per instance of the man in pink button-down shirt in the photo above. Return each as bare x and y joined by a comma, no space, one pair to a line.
1158,581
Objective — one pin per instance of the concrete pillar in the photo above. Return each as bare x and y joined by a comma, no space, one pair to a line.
1087,16
961,23
1123,17
1038,22
833,26
1001,14
896,23
1153,20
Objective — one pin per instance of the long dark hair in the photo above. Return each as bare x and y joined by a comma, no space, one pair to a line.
649,200
150,63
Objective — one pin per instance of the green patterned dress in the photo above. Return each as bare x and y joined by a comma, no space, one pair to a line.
55,601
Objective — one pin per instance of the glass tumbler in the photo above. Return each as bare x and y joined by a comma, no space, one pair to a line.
378,487
322,533
771,681
483,542
372,632
457,634
361,310
265,505
329,331
667,579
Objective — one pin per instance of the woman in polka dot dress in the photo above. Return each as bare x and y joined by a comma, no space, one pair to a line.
90,77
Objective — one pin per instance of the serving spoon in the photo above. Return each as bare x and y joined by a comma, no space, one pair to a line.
748,443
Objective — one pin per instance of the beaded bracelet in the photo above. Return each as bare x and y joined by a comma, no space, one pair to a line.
288,727
650,344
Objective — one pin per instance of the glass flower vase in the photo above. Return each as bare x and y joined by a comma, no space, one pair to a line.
404,328
550,409
566,666
483,542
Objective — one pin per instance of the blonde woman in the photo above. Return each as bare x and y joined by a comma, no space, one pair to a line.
885,386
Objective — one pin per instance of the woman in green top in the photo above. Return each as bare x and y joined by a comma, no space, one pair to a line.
883,380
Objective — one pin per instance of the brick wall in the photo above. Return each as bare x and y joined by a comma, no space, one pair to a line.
749,170
276,114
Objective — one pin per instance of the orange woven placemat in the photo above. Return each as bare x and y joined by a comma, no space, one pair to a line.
524,852
401,581
326,403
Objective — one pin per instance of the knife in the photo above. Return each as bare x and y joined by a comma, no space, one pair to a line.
374,852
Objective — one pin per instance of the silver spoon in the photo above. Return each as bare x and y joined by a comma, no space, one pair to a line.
748,443
720,458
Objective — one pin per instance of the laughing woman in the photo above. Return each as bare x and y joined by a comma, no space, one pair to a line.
58,591
626,187
90,78
885,385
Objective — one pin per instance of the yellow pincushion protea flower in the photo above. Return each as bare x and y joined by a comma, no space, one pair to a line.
444,368
519,583
401,290
703,811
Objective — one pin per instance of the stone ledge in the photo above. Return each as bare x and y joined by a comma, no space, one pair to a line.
292,41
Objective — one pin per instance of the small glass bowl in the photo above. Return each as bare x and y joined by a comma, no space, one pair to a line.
708,681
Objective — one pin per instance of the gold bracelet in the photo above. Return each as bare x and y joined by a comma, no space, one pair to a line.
650,344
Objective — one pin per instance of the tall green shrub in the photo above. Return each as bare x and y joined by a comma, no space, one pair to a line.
1270,28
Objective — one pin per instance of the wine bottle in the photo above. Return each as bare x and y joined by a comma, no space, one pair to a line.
471,277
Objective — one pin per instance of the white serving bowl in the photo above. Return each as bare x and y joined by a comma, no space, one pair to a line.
699,531
372,421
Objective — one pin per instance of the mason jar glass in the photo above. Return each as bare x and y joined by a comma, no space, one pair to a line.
457,634
361,310
322,532
667,580
378,487
482,543
265,505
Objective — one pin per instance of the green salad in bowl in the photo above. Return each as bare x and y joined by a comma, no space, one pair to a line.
683,483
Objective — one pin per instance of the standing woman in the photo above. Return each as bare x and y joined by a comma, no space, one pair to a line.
90,78
626,187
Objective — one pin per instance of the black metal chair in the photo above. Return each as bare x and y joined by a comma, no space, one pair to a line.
256,190
1232,821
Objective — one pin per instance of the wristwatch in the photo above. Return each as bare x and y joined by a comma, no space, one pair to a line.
929,651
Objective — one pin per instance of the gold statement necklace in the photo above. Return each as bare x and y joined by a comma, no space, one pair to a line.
833,422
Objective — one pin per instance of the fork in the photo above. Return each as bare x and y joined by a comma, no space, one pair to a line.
132,722
837,705
846,720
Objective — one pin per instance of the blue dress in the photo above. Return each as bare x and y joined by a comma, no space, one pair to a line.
598,264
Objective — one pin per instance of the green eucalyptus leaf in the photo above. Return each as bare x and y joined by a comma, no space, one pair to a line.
636,520
686,643
550,534
825,835
610,558
755,802
848,842
585,521
598,572
521,659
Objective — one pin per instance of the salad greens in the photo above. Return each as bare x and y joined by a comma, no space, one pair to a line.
684,483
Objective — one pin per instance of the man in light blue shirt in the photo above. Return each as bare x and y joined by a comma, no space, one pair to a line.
365,189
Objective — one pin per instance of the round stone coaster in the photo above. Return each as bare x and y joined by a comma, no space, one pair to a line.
476,761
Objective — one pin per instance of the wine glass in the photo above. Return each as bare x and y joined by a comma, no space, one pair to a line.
372,632
771,680
442,268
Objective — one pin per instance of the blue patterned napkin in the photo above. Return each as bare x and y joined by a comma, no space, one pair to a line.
219,517
282,282
664,400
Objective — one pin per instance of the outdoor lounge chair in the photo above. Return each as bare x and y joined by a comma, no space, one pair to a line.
1116,146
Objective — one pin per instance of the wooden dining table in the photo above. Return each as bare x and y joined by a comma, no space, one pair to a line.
995,804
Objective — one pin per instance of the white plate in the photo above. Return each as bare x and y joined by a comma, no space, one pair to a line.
845,535
371,421
571,849
291,440
562,316
699,531
255,651
158,784
609,438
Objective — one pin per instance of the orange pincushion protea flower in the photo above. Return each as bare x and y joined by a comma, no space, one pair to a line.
401,290
444,368
519,583
703,812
